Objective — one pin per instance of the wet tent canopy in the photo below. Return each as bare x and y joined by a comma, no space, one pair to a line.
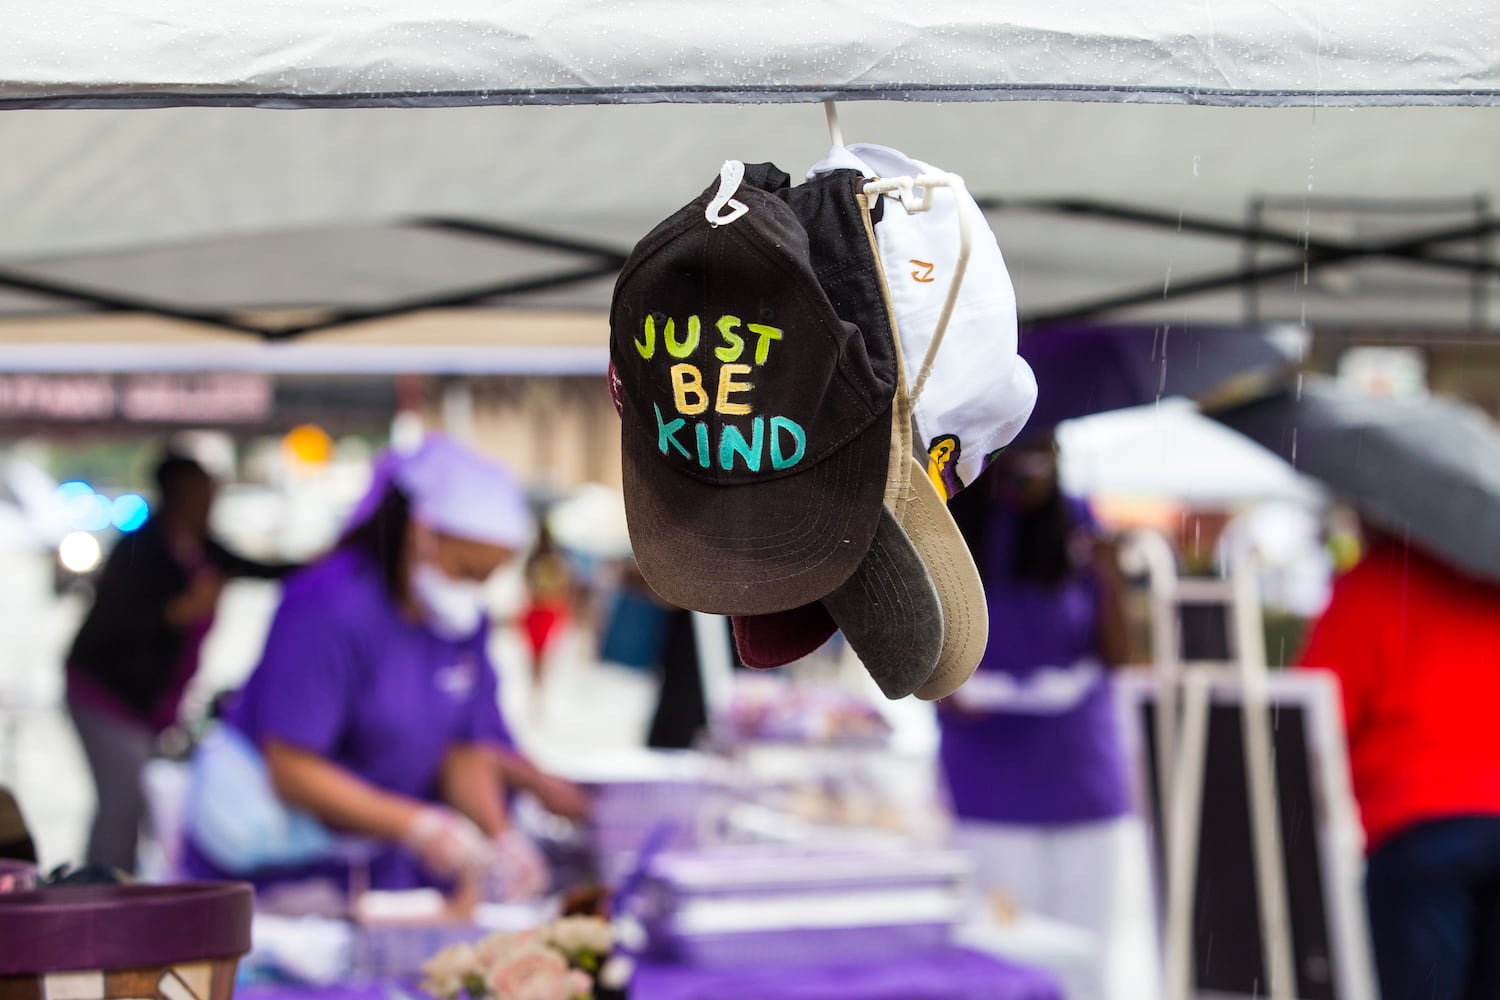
110,53
1168,163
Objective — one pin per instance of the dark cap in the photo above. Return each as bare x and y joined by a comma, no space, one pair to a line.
889,611
755,423
910,620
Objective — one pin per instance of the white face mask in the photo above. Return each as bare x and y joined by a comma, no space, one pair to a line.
453,609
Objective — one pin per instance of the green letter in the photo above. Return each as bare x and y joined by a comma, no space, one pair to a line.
734,344
682,350
649,347
732,442
762,346
667,433
778,461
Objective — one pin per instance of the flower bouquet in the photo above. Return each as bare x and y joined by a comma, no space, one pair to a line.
562,960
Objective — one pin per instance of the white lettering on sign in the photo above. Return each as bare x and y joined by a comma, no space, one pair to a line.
53,397
228,398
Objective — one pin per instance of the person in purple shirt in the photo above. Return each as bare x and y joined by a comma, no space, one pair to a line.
1029,748
374,705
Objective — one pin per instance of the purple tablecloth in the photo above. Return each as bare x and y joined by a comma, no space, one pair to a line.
951,975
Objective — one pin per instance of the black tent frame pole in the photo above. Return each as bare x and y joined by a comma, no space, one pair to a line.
603,261
1317,254
448,300
114,302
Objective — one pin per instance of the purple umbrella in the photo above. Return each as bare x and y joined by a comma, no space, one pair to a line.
1081,370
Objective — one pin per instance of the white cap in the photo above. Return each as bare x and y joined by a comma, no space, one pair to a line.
979,392
456,491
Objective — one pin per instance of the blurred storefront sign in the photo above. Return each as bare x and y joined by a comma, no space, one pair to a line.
57,397
248,400
227,398
238,397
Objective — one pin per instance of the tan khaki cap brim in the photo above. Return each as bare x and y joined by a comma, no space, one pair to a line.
923,515
966,616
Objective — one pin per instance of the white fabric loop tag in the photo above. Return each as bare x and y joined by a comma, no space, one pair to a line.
730,176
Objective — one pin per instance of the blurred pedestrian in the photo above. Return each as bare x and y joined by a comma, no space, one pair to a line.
549,601
374,708
138,646
1416,648
1029,746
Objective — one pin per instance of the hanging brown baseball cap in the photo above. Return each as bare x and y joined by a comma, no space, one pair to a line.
755,422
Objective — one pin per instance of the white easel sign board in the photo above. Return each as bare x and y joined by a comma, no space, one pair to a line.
1319,834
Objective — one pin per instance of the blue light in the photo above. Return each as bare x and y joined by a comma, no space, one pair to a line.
93,513
129,511
81,507
73,490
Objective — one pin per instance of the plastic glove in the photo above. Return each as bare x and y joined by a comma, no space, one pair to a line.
562,798
518,871
448,844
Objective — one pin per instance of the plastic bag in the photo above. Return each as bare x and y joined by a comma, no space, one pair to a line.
234,815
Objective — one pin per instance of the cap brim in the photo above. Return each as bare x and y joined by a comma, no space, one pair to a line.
890,612
966,615
767,641
753,548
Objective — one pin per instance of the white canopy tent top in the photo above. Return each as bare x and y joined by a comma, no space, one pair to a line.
301,53
1307,193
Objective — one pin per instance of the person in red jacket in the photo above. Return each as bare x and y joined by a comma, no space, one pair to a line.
1416,648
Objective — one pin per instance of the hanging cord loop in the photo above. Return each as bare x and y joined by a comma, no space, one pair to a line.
835,133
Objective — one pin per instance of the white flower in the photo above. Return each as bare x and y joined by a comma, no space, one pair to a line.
574,935
494,949
445,972
534,972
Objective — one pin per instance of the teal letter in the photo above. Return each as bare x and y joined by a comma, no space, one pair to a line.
779,424
732,442
703,444
667,433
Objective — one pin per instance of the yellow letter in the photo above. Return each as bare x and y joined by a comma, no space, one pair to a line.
682,350
688,381
727,384
762,346
734,344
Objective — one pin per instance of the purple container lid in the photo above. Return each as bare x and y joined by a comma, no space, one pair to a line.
77,928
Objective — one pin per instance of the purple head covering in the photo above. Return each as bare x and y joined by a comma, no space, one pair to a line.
453,489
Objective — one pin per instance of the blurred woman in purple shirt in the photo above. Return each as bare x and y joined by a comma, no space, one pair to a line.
374,706
1030,747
